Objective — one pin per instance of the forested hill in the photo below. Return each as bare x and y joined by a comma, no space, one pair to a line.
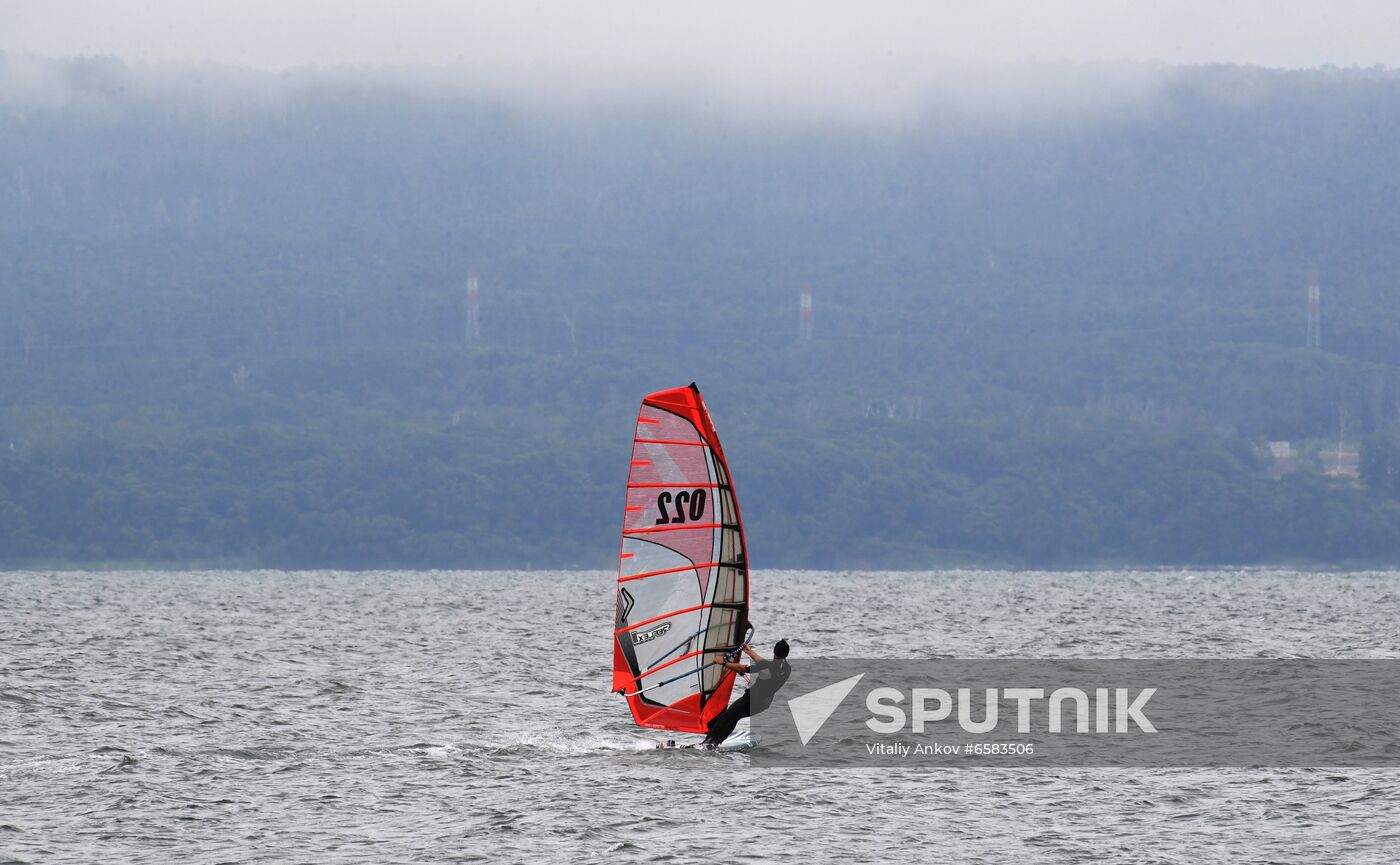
233,323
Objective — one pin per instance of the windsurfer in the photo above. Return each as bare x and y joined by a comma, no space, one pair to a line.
767,677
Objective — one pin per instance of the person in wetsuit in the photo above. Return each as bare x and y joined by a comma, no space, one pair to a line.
766,678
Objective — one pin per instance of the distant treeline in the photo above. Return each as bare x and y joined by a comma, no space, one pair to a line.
234,329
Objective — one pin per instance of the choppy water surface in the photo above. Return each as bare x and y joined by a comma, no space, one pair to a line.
407,716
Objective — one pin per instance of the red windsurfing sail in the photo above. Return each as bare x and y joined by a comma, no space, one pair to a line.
683,579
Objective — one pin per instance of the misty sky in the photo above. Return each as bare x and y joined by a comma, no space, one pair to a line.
873,57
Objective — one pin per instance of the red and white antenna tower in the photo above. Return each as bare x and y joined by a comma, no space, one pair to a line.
1314,313
804,315
473,308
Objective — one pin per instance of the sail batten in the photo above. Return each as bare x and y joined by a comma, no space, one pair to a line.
682,585
643,576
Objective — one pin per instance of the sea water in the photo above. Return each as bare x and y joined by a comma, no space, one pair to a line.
398,716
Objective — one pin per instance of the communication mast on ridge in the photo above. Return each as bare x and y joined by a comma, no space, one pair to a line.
473,309
804,315
1314,313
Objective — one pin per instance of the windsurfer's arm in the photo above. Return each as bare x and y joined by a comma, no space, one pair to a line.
751,653
732,665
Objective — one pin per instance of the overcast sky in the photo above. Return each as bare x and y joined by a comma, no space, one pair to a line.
872,54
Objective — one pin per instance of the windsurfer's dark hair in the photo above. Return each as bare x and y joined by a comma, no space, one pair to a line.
780,649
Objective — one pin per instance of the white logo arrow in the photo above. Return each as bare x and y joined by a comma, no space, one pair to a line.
810,711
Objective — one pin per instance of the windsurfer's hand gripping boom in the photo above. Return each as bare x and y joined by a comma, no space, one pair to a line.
735,665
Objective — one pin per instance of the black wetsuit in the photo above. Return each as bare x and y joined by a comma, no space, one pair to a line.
767,677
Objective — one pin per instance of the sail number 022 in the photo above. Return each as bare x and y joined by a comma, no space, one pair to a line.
687,503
